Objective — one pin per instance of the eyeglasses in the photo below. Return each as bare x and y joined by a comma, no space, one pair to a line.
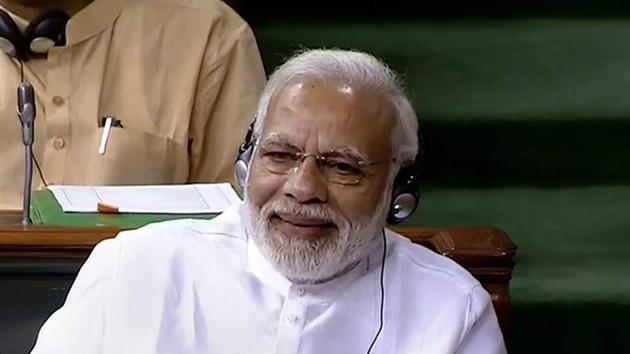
337,166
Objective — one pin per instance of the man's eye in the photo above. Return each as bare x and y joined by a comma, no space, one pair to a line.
280,156
343,167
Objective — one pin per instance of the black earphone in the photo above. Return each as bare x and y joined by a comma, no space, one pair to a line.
406,191
42,33
244,156
405,194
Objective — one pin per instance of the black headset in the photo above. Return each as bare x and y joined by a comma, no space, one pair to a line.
405,194
42,33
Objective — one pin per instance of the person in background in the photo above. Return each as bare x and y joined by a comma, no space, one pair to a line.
179,79
303,265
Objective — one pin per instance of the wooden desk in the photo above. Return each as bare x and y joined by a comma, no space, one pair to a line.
486,252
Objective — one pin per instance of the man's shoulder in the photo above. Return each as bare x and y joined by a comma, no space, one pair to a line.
194,20
214,8
186,235
426,268
434,295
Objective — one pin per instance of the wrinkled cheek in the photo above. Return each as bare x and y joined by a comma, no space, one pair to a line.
262,187
366,205
359,210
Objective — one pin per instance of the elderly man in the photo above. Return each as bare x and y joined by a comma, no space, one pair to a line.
305,264
180,79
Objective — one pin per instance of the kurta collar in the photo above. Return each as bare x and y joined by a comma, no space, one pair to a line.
92,19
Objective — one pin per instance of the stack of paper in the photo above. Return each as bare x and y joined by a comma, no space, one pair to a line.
167,199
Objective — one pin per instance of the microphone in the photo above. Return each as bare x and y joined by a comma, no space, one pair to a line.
25,94
26,114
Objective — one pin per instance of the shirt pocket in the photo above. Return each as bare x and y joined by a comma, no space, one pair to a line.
138,157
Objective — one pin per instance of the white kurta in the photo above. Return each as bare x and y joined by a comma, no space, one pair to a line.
200,287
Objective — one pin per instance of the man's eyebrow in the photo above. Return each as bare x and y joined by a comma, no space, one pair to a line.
278,139
349,151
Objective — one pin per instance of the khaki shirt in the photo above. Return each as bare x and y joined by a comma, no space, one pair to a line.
183,77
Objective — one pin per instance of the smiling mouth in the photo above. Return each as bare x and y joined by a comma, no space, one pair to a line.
303,226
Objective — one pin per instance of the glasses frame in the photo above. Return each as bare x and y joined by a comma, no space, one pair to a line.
320,158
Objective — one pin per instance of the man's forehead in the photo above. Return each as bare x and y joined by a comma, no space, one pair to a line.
339,100
336,114
305,86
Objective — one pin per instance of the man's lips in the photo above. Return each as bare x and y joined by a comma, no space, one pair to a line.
306,222
296,226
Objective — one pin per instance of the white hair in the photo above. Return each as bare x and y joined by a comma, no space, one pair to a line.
357,69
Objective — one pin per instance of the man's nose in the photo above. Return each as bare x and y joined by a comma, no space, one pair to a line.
306,183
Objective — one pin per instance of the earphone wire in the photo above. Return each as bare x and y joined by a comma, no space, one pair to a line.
381,317
39,170
21,71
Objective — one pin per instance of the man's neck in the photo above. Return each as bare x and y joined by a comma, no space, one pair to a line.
324,280
28,10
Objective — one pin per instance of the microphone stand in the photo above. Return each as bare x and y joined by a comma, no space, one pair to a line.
26,115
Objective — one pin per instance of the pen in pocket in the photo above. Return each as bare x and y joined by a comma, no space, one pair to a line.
107,123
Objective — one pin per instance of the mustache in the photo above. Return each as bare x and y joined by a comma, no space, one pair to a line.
315,211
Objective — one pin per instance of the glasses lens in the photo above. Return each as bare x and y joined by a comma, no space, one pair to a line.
342,170
337,168
277,159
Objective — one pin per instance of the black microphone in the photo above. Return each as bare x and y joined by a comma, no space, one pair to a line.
25,94
26,114
26,111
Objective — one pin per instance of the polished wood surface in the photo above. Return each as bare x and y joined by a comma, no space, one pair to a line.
486,252
34,241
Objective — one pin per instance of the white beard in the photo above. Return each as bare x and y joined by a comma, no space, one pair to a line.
315,261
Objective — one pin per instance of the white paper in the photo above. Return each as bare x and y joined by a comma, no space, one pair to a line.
162,199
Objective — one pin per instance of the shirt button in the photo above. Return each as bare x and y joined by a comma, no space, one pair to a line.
57,100
59,143
292,319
